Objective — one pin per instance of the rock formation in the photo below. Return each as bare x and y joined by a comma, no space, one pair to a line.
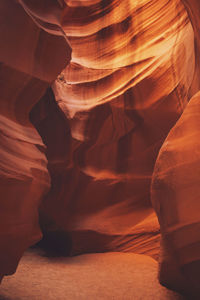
25,73
92,88
121,93
175,195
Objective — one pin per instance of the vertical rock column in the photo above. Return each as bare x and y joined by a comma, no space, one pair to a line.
175,195
175,188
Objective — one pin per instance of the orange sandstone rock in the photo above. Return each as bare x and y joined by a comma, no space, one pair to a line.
31,58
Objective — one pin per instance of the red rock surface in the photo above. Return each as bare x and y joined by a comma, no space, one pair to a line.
175,193
25,74
116,92
121,93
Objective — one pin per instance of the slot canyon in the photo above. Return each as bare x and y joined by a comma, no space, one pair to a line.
100,153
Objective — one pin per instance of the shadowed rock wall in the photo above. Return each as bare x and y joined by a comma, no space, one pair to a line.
25,73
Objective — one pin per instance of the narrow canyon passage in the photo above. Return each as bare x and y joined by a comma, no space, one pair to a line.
99,148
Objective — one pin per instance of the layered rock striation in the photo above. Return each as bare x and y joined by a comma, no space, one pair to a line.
27,47
89,92
123,90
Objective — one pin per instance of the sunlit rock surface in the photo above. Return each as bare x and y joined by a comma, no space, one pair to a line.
123,90
113,100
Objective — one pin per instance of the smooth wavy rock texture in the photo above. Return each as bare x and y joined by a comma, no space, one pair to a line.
90,90
175,191
25,74
123,90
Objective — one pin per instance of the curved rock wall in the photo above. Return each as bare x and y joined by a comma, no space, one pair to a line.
175,195
25,74
116,96
123,90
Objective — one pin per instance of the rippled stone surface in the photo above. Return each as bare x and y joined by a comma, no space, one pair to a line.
113,100
175,193
25,73
123,90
